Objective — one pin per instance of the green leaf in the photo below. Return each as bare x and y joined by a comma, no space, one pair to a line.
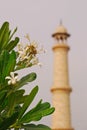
8,121
12,34
4,57
3,99
11,104
35,114
4,34
3,94
11,64
15,98
23,81
28,101
12,44
19,98
35,127
18,93
5,39
40,106
28,78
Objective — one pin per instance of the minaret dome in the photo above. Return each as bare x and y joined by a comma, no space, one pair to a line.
61,33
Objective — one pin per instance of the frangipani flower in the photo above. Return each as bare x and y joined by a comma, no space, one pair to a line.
28,53
12,79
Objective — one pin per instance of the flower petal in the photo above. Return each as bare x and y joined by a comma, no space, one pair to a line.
8,77
9,82
16,77
12,74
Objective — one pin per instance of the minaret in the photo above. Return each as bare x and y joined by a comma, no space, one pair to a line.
61,89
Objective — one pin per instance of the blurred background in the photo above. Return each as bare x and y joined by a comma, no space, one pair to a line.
39,18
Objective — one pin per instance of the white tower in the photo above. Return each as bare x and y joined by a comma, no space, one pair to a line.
61,89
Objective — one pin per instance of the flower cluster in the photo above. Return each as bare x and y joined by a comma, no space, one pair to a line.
12,79
28,54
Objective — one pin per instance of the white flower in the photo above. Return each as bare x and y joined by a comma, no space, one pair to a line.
34,61
40,64
22,52
27,54
12,79
27,37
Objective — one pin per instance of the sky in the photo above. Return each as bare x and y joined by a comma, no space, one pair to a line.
40,18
